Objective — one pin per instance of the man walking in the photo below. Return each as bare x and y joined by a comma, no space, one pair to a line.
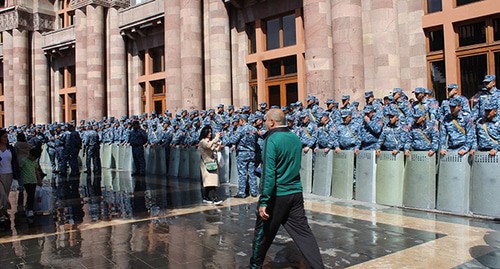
281,201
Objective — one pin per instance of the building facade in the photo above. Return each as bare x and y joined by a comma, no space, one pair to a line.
65,60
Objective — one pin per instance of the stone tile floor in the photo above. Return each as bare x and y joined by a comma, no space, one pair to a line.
117,221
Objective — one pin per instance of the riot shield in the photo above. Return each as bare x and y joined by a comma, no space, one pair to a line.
194,163
453,183
184,163
44,158
390,172
174,161
127,158
115,155
343,172
106,156
161,168
366,176
323,167
306,171
224,166
420,181
485,185
150,159
233,178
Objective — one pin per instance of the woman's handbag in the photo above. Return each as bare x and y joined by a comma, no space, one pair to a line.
211,166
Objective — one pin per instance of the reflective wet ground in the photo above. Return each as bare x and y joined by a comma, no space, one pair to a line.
118,221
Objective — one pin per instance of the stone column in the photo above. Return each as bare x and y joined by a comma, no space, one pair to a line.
21,76
220,54
81,64
381,46
8,78
191,54
348,60
41,88
172,55
117,68
318,42
96,62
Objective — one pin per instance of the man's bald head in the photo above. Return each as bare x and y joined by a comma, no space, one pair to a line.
274,118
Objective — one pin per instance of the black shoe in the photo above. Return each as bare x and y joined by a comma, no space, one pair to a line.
239,196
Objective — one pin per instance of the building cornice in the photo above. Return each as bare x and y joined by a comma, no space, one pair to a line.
19,18
77,4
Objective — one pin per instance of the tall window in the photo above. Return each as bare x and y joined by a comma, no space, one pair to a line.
435,62
67,92
273,77
152,80
465,2
434,6
65,16
477,52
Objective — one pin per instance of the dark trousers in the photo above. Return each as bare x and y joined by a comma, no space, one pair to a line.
139,161
94,158
210,193
30,200
287,211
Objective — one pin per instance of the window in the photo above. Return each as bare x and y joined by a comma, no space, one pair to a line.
434,6
158,59
65,15
465,2
67,92
472,71
151,79
281,67
280,32
438,79
436,40
252,42
496,29
471,34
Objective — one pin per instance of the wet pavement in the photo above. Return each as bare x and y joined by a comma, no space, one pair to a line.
115,220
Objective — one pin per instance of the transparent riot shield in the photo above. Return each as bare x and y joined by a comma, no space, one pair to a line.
366,169
106,156
306,171
174,161
194,163
82,161
184,163
115,155
224,166
44,158
233,167
343,173
323,167
453,183
128,162
120,164
161,167
485,185
420,181
390,172
150,159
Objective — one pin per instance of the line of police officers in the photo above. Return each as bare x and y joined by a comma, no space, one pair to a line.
396,124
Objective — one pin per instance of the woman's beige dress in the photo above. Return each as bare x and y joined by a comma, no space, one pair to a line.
208,150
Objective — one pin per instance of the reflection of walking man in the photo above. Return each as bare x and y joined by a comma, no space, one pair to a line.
281,201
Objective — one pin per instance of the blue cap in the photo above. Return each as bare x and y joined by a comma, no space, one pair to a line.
489,78
417,113
393,112
274,106
220,105
329,101
229,107
345,112
344,97
490,106
325,114
299,103
368,94
397,90
289,118
244,117
283,108
355,103
304,114
453,86
419,90
428,91
245,108
263,105
368,109
211,111
310,97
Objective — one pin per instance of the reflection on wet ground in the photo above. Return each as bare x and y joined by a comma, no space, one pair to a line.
118,221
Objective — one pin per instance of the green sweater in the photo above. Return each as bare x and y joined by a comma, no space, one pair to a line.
282,155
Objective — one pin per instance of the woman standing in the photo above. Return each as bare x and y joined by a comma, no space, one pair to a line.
208,149
9,169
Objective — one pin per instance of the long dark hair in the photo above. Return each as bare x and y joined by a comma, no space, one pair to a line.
205,131
3,132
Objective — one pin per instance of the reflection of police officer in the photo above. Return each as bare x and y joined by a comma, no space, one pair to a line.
245,143
73,146
138,138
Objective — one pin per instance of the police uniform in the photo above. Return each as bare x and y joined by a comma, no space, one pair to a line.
347,135
92,146
488,132
370,130
457,132
138,138
423,137
393,136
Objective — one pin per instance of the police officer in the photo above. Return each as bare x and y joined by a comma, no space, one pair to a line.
488,131
60,140
423,135
92,146
489,94
263,107
72,147
393,137
371,127
245,143
452,90
422,105
326,133
348,132
457,130
138,138
402,106
308,133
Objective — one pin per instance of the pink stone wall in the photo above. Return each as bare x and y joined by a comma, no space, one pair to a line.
81,64
173,55
21,76
41,90
116,67
8,76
